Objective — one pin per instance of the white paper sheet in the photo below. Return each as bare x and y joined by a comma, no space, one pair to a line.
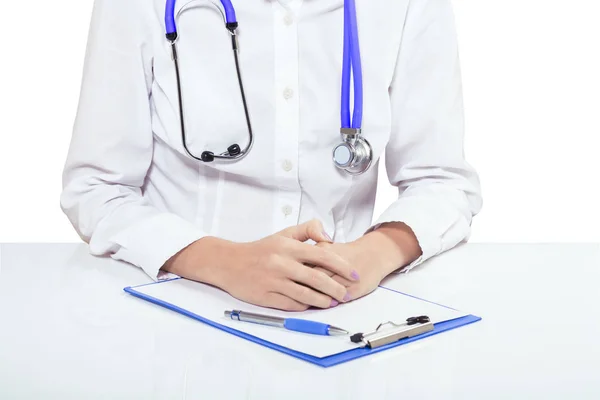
363,315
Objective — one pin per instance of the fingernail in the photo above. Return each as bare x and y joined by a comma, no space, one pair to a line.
347,297
327,236
334,303
355,275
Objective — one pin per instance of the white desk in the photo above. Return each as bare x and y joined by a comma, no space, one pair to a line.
68,331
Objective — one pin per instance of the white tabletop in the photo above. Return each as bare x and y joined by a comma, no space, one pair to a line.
67,330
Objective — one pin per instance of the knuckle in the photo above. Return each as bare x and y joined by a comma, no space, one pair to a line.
286,245
323,271
273,260
340,290
310,297
314,223
302,293
331,287
323,245
286,304
295,306
324,302
268,284
325,257
278,240
319,253
280,243
316,279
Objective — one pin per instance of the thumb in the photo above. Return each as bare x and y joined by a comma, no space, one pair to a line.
311,230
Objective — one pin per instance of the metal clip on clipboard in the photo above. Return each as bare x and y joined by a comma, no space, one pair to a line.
412,327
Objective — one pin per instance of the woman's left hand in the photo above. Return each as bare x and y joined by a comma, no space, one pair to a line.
374,256
369,272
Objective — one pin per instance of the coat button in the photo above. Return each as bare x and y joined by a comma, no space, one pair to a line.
287,210
287,165
288,93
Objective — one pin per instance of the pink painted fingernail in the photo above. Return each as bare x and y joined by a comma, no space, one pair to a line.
334,303
327,236
347,297
355,275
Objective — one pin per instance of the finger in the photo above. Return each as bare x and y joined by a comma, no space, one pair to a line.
324,244
316,280
305,295
343,281
311,230
325,271
337,278
324,258
281,302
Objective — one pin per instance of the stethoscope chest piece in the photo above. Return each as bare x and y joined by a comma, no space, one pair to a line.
354,155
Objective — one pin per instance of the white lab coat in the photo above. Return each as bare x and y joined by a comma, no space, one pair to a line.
130,190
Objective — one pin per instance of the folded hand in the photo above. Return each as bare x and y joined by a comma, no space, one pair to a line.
359,259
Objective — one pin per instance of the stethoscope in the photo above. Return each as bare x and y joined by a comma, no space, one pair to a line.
354,155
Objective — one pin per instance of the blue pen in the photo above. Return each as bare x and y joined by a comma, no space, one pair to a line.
292,324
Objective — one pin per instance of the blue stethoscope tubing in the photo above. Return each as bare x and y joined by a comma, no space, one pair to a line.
171,25
351,65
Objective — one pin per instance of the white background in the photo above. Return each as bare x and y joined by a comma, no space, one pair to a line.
531,71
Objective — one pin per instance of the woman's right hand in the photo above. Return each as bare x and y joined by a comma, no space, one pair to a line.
271,272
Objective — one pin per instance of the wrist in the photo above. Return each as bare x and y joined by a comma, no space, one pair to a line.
389,248
203,261
375,250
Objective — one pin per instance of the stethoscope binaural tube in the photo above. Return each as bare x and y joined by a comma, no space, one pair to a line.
354,155
234,152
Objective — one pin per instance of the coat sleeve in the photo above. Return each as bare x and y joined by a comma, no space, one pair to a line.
112,144
439,192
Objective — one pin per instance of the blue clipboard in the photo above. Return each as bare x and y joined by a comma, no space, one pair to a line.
325,362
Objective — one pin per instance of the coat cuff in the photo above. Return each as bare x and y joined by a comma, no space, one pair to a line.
151,242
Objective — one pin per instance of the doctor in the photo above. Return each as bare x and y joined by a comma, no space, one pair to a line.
216,141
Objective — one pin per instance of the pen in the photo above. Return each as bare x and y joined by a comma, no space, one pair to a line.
292,324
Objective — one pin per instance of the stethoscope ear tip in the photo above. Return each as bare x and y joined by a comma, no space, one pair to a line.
208,156
234,150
